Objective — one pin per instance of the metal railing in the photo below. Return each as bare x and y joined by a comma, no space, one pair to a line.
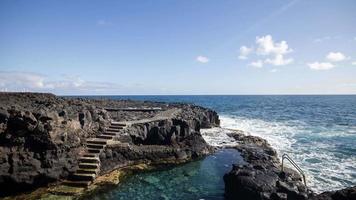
285,156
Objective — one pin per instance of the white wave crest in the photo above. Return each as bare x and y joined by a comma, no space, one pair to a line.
218,137
324,169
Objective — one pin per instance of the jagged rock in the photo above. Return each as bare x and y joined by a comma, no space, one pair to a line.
41,136
261,177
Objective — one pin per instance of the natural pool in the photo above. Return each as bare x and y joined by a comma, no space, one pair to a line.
201,179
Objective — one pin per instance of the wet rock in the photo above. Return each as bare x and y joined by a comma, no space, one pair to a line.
261,177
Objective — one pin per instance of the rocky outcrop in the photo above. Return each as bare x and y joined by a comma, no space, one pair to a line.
42,136
167,138
261,177
156,142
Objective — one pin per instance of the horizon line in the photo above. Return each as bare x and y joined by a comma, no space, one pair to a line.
288,94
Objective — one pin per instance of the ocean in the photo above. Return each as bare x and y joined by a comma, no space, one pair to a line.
317,131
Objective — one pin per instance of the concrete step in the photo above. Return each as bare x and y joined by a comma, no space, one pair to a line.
91,155
112,130
96,141
110,133
82,177
87,171
77,183
95,146
116,127
108,137
97,151
89,159
118,123
89,165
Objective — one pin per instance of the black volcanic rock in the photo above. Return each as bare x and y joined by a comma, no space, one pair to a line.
169,140
261,178
42,136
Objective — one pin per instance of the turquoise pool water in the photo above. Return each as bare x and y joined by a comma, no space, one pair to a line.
201,179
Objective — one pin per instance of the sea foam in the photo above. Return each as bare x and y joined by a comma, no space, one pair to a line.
325,168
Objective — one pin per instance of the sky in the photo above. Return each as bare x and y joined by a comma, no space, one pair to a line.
181,47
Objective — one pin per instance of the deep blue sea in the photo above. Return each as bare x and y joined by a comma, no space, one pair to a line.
318,132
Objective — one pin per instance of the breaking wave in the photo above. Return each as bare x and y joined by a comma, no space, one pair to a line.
328,164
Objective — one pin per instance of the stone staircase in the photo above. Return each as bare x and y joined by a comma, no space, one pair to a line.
89,163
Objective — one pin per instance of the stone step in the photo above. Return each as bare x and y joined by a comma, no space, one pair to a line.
108,137
87,171
96,151
83,177
96,141
89,159
110,133
95,146
89,165
112,130
118,124
77,183
90,155
116,127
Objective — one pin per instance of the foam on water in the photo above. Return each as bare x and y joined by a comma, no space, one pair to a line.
315,151
218,137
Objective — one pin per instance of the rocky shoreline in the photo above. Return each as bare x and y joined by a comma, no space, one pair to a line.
43,138
262,177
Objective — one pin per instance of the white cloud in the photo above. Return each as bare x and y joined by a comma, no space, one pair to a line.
274,70
21,79
279,60
257,64
320,66
244,52
268,51
353,63
266,46
202,59
335,56
28,81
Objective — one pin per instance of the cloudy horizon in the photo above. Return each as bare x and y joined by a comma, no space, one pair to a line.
131,48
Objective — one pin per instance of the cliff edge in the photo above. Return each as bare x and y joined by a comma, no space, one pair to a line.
42,136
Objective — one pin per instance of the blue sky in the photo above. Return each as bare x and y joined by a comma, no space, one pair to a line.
178,47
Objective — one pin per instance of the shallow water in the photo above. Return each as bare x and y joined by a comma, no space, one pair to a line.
201,179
